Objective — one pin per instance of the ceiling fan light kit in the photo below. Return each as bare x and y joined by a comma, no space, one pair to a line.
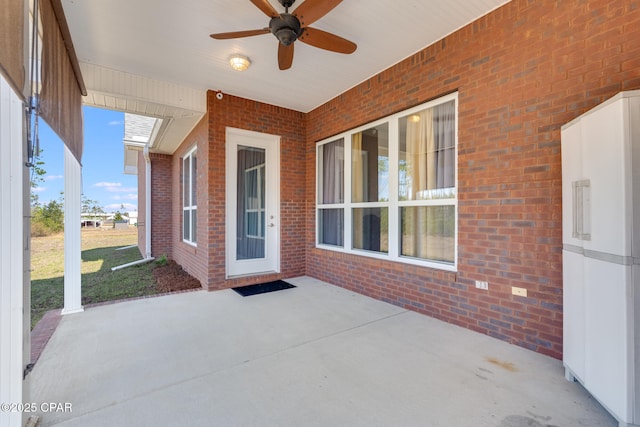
289,27
239,62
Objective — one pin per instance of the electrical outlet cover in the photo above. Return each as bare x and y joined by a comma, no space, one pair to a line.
521,292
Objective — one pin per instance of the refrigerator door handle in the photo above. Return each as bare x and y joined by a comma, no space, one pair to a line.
582,209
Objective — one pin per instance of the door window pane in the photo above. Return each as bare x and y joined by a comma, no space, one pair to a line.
250,227
254,204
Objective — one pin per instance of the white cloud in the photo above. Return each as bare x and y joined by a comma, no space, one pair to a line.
39,189
115,123
53,177
107,184
118,207
115,187
125,197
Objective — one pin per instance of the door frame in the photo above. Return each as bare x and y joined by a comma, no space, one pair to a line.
271,144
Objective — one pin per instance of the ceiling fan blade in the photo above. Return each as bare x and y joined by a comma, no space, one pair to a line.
238,34
327,41
266,8
312,10
285,56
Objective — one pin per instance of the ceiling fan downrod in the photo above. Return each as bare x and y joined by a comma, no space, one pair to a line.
287,4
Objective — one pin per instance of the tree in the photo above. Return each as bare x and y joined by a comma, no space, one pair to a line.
91,207
48,217
37,178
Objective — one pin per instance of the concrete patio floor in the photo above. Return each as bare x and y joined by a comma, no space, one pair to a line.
316,355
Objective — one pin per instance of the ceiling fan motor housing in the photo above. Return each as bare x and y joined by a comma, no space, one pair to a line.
286,28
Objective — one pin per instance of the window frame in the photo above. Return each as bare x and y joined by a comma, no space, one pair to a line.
189,206
394,204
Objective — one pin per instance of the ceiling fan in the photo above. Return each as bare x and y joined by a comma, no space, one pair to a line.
289,27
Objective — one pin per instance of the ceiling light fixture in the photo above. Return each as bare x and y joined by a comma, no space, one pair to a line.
239,62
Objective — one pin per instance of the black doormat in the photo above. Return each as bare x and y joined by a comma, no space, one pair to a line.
262,288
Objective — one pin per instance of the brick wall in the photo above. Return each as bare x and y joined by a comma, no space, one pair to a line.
142,204
521,72
161,205
290,126
193,259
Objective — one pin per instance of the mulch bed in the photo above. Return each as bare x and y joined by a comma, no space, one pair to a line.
171,277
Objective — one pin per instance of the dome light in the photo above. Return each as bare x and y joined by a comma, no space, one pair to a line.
239,62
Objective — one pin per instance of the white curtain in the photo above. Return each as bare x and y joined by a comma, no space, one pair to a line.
332,192
420,154
420,177
333,172
430,174
444,139
357,186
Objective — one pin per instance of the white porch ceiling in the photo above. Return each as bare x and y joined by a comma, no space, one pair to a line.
168,41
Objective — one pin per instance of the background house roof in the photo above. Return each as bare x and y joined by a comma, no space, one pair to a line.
138,132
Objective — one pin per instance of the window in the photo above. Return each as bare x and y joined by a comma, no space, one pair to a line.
189,199
390,191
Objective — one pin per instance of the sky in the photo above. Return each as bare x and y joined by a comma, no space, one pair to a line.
103,179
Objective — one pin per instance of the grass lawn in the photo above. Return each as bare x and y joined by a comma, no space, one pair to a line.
99,283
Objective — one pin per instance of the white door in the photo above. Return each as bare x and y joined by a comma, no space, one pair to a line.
252,202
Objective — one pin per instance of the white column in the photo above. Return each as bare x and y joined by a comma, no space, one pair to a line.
147,196
72,249
12,268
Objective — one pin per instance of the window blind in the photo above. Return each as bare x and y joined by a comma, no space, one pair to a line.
62,84
12,54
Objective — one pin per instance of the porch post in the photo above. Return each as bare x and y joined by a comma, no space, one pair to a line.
12,249
147,201
72,250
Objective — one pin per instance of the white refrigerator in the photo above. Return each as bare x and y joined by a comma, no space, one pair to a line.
601,253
